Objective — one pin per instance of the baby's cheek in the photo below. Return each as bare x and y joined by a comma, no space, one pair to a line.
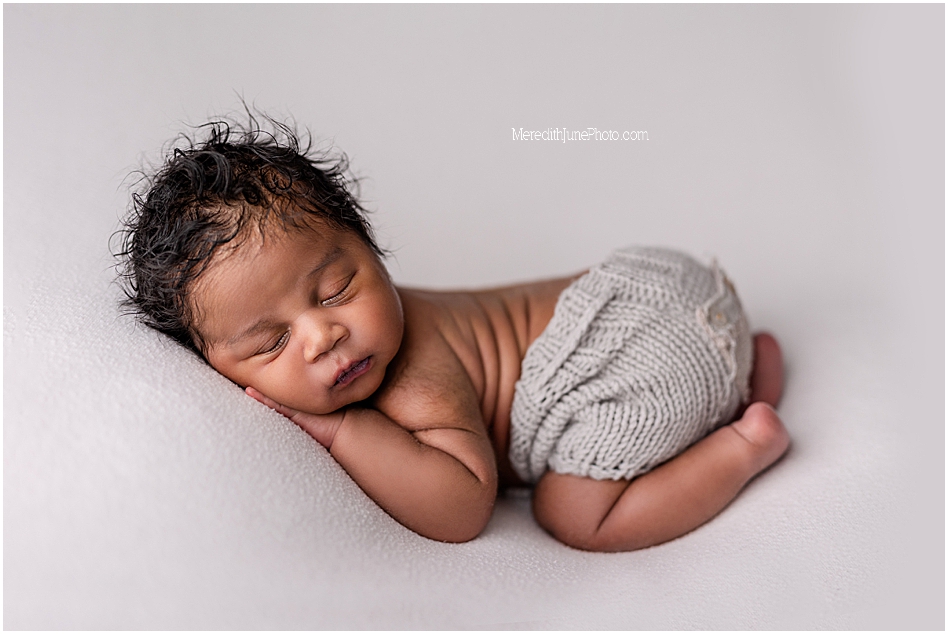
392,328
288,394
274,385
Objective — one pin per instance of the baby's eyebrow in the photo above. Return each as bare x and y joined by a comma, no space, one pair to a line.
331,257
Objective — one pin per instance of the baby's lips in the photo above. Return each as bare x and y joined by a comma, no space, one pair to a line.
356,367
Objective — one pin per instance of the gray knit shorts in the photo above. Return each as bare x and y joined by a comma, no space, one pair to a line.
645,354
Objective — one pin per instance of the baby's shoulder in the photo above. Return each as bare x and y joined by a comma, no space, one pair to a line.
427,383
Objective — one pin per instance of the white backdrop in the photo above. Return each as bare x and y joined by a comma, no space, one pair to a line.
802,145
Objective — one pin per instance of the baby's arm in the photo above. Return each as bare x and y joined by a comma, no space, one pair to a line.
439,481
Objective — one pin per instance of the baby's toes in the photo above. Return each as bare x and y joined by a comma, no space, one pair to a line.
767,377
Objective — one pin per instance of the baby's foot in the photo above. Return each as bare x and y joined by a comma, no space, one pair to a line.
761,428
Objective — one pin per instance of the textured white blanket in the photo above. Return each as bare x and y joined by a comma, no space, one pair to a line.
802,144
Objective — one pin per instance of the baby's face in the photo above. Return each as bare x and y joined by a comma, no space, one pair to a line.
309,318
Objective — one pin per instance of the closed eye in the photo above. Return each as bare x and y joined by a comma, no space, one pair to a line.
339,297
279,344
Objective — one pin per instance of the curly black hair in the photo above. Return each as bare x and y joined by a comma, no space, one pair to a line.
208,193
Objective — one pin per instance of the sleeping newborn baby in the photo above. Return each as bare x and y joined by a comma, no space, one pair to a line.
632,396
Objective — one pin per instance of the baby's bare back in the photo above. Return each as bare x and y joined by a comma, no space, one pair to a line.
475,341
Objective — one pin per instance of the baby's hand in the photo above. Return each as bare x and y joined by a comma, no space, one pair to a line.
322,427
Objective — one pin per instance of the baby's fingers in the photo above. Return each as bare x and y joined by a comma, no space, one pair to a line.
321,427
269,402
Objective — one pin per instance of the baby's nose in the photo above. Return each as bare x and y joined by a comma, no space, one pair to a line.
321,337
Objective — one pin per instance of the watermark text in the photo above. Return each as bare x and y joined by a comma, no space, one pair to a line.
585,134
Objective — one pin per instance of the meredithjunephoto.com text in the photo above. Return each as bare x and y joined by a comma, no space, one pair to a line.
586,134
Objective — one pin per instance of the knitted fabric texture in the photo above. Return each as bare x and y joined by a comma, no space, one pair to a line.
645,354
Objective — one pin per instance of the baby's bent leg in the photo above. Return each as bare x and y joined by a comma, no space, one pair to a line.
672,499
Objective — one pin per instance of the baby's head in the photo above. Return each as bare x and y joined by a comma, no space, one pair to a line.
251,251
